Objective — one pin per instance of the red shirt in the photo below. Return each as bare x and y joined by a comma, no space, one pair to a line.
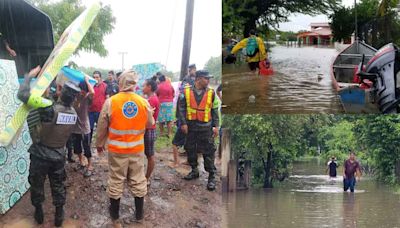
351,168
99,97
165,92
155,103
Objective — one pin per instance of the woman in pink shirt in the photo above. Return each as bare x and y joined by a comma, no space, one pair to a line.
165,93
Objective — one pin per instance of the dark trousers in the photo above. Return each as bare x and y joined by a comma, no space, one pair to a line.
70,146
349,183
203,142
38,171
82,140
93,118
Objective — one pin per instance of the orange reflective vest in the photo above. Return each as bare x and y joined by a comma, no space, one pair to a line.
200,112
128,118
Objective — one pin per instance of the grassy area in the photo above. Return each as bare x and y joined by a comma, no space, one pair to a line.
163,142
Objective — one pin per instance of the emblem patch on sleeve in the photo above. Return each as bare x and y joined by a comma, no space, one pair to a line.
66,119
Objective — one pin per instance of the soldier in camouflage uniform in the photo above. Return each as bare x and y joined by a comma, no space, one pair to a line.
48,154
198,113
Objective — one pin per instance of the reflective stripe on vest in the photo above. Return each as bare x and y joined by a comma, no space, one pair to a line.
201,112
189,111
128,118
125,132
126,144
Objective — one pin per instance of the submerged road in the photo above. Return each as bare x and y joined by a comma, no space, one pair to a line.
301,84
309,199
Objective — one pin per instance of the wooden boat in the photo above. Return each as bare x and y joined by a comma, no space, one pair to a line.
354,97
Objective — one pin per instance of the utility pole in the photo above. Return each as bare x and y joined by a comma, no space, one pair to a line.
123,55
187,40
356,25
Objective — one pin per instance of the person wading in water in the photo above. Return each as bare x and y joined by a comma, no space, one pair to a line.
351,168
331,169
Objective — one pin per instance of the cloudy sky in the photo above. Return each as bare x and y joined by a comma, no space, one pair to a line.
153,30
302,22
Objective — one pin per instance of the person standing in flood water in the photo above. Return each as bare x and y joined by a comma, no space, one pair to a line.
332,166
255,50
351,169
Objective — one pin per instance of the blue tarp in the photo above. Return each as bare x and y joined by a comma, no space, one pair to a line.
146,71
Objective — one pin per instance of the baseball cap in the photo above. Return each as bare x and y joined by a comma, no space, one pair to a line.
203,73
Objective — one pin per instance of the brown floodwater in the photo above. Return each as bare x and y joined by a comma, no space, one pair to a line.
301,84
309,199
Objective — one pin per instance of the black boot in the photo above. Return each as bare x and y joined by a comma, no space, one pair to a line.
139,203
114,208
39,214
194,174
211,182
59,216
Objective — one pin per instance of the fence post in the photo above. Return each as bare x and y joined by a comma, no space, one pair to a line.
228,166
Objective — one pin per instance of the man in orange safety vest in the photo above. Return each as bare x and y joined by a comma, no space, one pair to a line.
122,124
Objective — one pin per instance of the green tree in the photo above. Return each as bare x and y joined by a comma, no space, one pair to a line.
379,135
273,142
339,140
213,66
272,145
378,22
63,12
386,11
342,23
242,16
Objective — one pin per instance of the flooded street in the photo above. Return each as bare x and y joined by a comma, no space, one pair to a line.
301,84
310,199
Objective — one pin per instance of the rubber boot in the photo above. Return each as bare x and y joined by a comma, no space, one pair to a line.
59,216
194,174
139,204
211,182
39,214
114,208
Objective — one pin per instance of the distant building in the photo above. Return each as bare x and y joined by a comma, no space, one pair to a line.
320,34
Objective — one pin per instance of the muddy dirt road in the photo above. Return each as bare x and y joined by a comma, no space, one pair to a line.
171,201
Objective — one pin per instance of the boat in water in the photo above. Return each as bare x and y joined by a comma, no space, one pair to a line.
354,96
373,87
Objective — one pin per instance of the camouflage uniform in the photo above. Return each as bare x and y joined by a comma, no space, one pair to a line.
47,152
48,156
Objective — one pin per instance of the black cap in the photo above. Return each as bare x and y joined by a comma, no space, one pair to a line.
69,92
192,66
203,73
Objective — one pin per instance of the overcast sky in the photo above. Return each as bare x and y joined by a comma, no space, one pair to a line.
147,29
302,22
